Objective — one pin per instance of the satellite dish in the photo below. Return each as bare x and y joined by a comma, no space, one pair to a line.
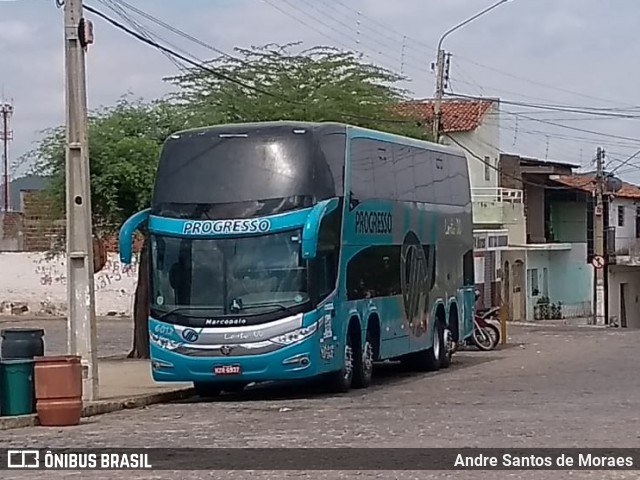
612,184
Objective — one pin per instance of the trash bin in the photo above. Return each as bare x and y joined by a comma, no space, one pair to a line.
17,387
22,343
58,387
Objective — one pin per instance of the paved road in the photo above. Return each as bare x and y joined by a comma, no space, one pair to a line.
560,387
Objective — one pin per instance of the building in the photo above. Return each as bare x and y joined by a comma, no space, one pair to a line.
622,249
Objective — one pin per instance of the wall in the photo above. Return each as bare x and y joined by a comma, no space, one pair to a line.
569,222
41,223
569,280
626,234
484,142
10,231
534,200
30,280
630,276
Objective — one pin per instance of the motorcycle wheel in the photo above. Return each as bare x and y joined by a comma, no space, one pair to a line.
486,338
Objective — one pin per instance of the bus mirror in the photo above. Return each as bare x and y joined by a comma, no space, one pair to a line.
311,227
125,240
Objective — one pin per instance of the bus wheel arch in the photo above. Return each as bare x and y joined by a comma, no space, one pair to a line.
368,352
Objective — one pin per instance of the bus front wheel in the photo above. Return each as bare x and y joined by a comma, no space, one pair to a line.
341,380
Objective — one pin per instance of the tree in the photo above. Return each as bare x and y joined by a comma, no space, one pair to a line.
124,144
276,82
266,83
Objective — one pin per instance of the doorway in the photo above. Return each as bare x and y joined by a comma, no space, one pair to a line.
623,305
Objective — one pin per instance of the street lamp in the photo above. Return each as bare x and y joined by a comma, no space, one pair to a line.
440,66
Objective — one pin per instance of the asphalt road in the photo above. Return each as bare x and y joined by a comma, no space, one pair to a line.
554,387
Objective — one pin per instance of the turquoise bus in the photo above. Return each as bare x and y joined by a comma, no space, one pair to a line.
291,250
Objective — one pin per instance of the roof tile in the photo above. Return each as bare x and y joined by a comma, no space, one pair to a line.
457,115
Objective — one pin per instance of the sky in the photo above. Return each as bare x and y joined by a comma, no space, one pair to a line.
575,55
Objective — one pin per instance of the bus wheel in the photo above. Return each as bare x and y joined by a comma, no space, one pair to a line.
207,389
363,364
341,381
429,360
447,353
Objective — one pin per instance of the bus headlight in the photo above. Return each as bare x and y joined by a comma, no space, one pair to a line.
164,342
295,336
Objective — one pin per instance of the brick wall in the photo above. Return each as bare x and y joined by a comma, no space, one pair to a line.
10,231
510,173
42,224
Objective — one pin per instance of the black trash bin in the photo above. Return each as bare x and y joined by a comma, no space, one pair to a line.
22,343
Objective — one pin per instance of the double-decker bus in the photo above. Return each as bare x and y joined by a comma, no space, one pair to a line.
291,250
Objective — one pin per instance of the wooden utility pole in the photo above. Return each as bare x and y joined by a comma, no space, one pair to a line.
81,324
598,232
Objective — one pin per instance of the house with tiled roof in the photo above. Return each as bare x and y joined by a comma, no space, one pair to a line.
473,125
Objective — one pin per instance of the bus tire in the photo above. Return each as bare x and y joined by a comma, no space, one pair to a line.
447,346
429,360
207,389
341,381
363,363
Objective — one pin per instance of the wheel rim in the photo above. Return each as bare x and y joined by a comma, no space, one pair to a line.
348,362
367,358
436,343
448,340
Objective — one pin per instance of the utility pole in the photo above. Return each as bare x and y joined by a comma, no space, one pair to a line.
598,232
440,67
6,110
439,93
81,324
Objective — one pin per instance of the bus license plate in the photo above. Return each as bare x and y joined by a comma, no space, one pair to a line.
227,370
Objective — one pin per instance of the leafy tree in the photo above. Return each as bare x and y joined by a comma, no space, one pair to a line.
124,145
265,83
276,82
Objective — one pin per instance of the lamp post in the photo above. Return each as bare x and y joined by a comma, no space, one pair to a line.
439,93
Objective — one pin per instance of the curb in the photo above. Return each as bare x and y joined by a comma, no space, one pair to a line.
540,324
101,407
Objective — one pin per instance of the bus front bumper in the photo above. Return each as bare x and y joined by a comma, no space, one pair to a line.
298,361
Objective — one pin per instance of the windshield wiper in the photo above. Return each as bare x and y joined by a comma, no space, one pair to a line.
185,307
269,304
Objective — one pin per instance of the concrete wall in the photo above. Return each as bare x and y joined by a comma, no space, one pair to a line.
630,276
569,280
534,201
29,280
484,142
569,222
625,234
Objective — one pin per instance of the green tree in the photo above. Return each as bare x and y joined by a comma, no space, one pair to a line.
275,82
265,83
124,145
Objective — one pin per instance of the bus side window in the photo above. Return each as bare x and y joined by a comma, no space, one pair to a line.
468,268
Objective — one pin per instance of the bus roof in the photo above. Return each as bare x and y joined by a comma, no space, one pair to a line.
353,131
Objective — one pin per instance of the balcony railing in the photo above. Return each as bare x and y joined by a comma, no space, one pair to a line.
496,194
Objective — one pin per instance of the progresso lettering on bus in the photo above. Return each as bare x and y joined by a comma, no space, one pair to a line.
374,223
206,227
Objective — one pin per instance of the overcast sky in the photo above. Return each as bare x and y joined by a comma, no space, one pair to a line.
577,53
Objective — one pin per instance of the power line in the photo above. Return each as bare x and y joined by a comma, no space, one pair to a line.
224,76
515,177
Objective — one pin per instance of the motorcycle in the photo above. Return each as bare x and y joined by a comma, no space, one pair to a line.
486,329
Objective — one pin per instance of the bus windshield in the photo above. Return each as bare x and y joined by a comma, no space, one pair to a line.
248,275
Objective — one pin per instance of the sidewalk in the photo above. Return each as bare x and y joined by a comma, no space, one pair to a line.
123,384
